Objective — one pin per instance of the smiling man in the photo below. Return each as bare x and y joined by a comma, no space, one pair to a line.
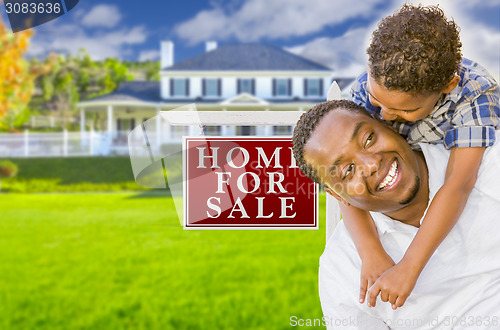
362,162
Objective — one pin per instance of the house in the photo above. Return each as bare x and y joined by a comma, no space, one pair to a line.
231,77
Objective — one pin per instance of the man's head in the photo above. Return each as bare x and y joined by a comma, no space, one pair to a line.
357,158
413,59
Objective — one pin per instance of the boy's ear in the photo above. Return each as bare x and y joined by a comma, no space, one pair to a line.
332,193
451,85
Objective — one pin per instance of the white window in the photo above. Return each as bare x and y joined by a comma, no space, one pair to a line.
246,86
211,87
281,87
313,87
245,130
179,87
212,130
282,130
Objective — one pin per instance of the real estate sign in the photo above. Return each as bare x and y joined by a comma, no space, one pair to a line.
246,183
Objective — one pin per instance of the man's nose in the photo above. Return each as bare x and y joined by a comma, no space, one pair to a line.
387,114
370,162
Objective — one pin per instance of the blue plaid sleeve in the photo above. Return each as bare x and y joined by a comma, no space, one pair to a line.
475,119
360,97
358,91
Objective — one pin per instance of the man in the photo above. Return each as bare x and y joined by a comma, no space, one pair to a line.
362,162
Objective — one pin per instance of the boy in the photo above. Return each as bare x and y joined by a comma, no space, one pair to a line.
418,82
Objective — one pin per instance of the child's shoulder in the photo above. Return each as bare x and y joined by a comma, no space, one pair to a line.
474,78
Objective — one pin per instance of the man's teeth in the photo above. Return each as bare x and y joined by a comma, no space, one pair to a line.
391,176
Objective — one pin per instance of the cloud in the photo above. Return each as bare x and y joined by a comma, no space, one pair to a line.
102,16
346,54
149,55
100,43
270,19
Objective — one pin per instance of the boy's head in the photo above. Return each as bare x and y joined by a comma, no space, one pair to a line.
413,59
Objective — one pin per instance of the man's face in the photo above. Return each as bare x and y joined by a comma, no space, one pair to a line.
400,106
363,161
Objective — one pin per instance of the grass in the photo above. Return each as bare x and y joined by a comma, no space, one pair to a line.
71,174
122,261
74,170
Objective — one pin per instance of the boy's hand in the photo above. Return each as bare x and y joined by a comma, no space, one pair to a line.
394,286
372,267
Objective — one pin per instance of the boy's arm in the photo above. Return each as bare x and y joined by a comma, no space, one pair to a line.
396,284
375,261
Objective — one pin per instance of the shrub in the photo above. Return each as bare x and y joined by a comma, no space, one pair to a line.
8,169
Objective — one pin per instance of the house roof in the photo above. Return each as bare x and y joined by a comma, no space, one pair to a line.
247,57
142,91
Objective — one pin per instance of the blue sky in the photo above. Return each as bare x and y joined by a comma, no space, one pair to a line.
331,32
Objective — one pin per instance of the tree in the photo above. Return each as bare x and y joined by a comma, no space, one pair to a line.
16,78
153,71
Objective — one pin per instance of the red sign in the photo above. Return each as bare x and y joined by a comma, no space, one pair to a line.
246,183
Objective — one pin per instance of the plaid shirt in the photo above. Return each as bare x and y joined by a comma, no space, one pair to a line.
465,117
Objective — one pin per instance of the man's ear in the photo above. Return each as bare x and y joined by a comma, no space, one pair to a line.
332,193
451,85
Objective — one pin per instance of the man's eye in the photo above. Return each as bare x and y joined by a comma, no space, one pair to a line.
348,171
368,140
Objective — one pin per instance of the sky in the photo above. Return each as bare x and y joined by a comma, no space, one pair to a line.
334,33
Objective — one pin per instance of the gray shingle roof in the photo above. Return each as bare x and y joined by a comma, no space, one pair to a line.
243,57
144,91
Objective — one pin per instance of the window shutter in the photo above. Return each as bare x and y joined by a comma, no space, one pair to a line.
274,86
238,86
187,87
132,124
219,87
305,87
171,86
289,87
253,86
203,87
118,124
320,87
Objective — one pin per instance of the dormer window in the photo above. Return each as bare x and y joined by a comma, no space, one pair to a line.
179,87
246,85
282,87
313,87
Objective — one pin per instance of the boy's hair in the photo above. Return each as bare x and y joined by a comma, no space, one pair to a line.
416,50
306,125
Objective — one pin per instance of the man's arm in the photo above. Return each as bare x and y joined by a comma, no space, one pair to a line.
375,261
396,284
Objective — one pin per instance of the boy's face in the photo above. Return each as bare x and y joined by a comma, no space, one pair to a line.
400,106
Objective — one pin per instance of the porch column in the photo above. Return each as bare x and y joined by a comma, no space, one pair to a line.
110,119
194,130
224,128
268,129
82,120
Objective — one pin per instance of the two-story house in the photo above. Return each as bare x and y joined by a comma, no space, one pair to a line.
231,77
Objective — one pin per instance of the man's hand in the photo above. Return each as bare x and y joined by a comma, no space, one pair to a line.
372,267
394,286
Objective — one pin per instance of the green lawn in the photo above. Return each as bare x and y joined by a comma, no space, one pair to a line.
122,261
71,174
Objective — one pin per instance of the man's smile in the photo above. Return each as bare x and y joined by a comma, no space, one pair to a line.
391,179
